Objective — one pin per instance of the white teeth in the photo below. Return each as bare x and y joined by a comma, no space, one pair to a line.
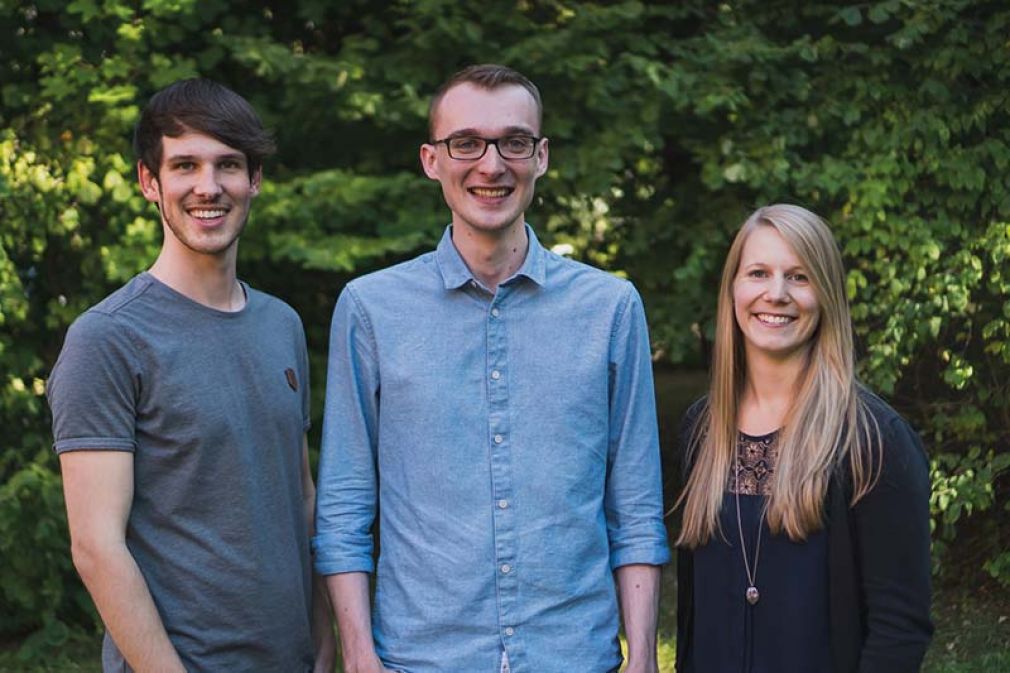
774,319
207,214
488,192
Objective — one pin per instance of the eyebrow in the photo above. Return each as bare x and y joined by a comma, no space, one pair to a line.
507,131
231,156
796,267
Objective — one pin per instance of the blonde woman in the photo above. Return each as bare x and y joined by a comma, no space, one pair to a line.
804,544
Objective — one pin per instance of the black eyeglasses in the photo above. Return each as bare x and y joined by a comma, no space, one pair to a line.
471,148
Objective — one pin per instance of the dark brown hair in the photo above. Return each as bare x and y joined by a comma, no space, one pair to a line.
203,106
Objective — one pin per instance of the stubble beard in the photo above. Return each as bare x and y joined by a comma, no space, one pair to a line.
213,246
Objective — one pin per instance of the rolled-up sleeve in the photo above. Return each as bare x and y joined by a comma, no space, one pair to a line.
347,488
633,497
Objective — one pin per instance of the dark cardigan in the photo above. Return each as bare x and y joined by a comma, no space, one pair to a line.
878,556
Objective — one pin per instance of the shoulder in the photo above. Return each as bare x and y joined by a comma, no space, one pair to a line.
894,429
99,349
687,430
108,321
593,292
882,412
119,304
397,280
900,450
277,308
93,327
569,272
693,414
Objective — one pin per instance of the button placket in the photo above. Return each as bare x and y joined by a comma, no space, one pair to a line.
501,474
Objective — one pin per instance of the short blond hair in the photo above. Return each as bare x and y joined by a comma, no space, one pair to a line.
485,76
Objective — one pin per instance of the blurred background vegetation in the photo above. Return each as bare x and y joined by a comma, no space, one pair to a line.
669,122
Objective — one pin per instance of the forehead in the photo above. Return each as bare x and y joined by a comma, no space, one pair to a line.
488,111
765,245
196,144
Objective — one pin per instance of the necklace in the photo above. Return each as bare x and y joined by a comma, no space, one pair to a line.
752,594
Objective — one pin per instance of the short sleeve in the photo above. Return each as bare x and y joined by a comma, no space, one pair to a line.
303,366
93,388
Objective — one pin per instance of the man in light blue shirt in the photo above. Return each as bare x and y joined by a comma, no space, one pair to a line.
493,403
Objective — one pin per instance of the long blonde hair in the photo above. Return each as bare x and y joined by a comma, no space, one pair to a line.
828,421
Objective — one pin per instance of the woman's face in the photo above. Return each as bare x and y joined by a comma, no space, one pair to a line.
773,301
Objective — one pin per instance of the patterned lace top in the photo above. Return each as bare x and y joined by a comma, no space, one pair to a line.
756,458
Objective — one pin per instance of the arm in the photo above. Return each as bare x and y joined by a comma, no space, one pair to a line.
98,488
892,551
351,603
348,482
633,499
685,557
322,624
638,588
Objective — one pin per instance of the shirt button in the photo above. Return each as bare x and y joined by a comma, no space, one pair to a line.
509,631
496,375
498,439
506,568
503,504
495,312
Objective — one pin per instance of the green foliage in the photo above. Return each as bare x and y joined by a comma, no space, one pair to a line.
999,568
668,123
962,485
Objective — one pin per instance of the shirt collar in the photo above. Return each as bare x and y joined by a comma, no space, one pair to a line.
455,272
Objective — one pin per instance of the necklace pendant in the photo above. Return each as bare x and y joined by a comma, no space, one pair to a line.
752,595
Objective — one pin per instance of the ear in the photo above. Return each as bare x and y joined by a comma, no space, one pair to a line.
542,155
148,183
255,181
429,160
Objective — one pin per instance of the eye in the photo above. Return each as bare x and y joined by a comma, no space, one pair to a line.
517,144
466,144
800,277
184,166
757,273
230,164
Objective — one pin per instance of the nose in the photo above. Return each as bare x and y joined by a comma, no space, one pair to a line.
491,163
207,183
777,291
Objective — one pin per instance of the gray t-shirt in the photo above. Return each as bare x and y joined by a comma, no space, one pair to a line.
213,406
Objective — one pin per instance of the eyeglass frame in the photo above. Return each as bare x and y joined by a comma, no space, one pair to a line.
487,143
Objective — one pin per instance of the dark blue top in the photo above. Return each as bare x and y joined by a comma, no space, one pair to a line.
787,630
878,555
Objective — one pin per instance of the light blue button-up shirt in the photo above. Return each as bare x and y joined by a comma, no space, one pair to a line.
507,442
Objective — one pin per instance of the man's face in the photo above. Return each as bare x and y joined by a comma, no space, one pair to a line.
203,190
489,194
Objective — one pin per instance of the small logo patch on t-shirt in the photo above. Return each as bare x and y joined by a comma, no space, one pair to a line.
292,379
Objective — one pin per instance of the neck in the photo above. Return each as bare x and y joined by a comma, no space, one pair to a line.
206,279
492,256
769,392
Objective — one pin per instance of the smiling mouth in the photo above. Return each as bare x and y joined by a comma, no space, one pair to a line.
774,319
490,192
208,213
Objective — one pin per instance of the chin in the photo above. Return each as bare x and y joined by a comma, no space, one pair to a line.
490,227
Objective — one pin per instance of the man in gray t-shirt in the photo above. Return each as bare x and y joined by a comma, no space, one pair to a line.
180,404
